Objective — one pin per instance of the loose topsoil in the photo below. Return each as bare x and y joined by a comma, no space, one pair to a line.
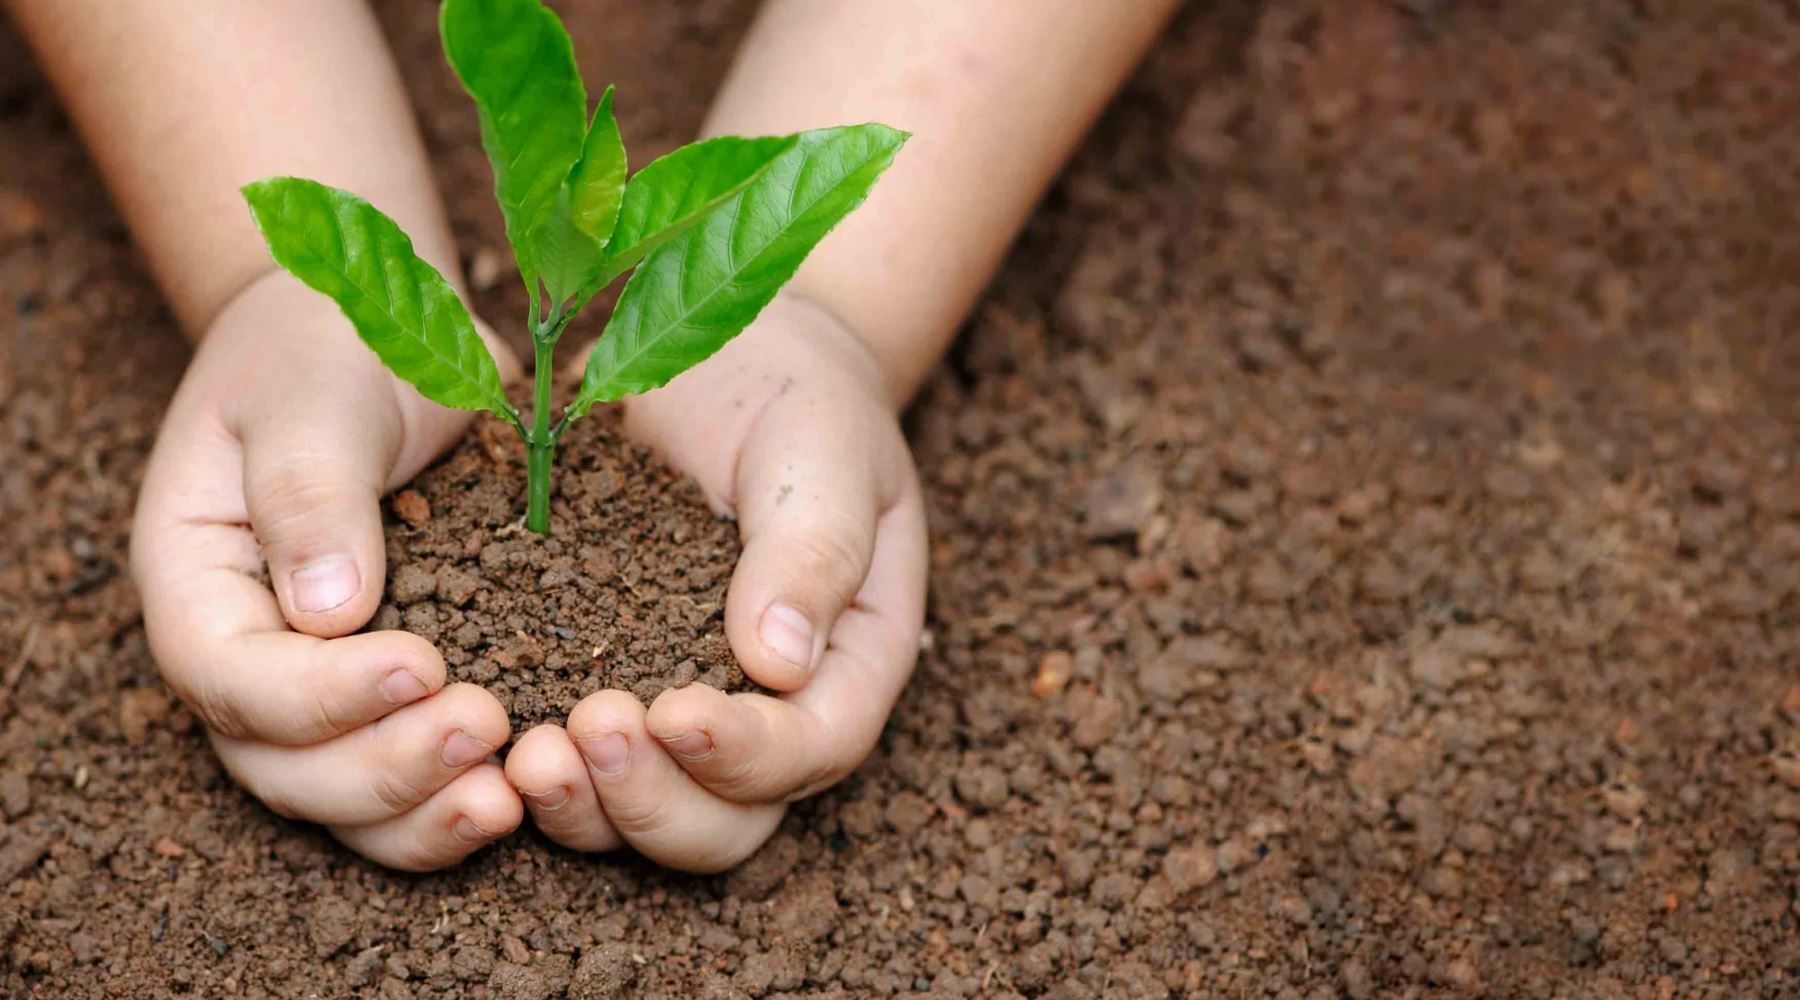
627,592
1366,539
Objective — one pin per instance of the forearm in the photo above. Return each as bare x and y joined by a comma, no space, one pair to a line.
996,95
183,101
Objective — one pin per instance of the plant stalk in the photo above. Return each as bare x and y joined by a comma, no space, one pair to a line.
540,444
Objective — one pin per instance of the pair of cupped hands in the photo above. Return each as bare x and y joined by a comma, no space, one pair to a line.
282,439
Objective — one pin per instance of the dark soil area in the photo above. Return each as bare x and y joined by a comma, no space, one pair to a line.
627,592
1366,551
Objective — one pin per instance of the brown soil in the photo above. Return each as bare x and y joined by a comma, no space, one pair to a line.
627,592
1366,540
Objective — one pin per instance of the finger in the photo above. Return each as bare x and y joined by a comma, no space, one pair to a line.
376,772
548,771
809,491
466,815
217,632
226,651
296,690
653,804
753,748
747,747
314,503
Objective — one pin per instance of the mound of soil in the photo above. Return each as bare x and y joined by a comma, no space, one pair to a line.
628,591
1366,561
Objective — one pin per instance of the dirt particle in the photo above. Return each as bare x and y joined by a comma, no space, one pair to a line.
1053,672
457,587
411,507
1462,975
907,813
765,869
809,910
410,583
1121,501
1786,765
365,968
1096,722
603,972
516,982
140,710
1236,853
1190,868
20,854
982,787
1624,799
15,794
1437,666
769,969
333,925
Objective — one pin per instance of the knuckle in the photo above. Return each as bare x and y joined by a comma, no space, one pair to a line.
741,776
820,776
288,494
641,816
834,558
215,709
395,792
329,718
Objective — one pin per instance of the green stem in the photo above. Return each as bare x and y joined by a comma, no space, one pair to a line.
540,444
537,471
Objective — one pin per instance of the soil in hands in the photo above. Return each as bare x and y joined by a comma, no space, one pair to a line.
628,590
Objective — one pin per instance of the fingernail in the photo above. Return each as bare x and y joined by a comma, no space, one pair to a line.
467,832
551,800
788,633
324,584
402,688
608,754
461,750
689,746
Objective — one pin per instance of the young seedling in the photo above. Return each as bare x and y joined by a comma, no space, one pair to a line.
709,233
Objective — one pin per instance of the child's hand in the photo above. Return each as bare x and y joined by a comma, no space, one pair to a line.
788,427
284,435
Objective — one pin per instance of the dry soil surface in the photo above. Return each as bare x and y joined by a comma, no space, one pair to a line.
1366,527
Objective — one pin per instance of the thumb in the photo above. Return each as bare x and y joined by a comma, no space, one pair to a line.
313,478
808,498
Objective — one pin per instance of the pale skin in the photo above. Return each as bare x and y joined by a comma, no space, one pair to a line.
286,431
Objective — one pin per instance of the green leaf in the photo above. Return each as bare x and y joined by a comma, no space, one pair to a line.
516,61
401,306
570,240
702,287
675,190
596,184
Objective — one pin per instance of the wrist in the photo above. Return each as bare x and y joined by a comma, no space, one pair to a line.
794,347
275,289
277,337
794,338
831,334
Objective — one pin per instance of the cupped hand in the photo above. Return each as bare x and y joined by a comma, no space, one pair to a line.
789,429
274,454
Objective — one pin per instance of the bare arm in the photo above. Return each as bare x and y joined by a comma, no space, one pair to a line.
183,101
996,95
286,429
